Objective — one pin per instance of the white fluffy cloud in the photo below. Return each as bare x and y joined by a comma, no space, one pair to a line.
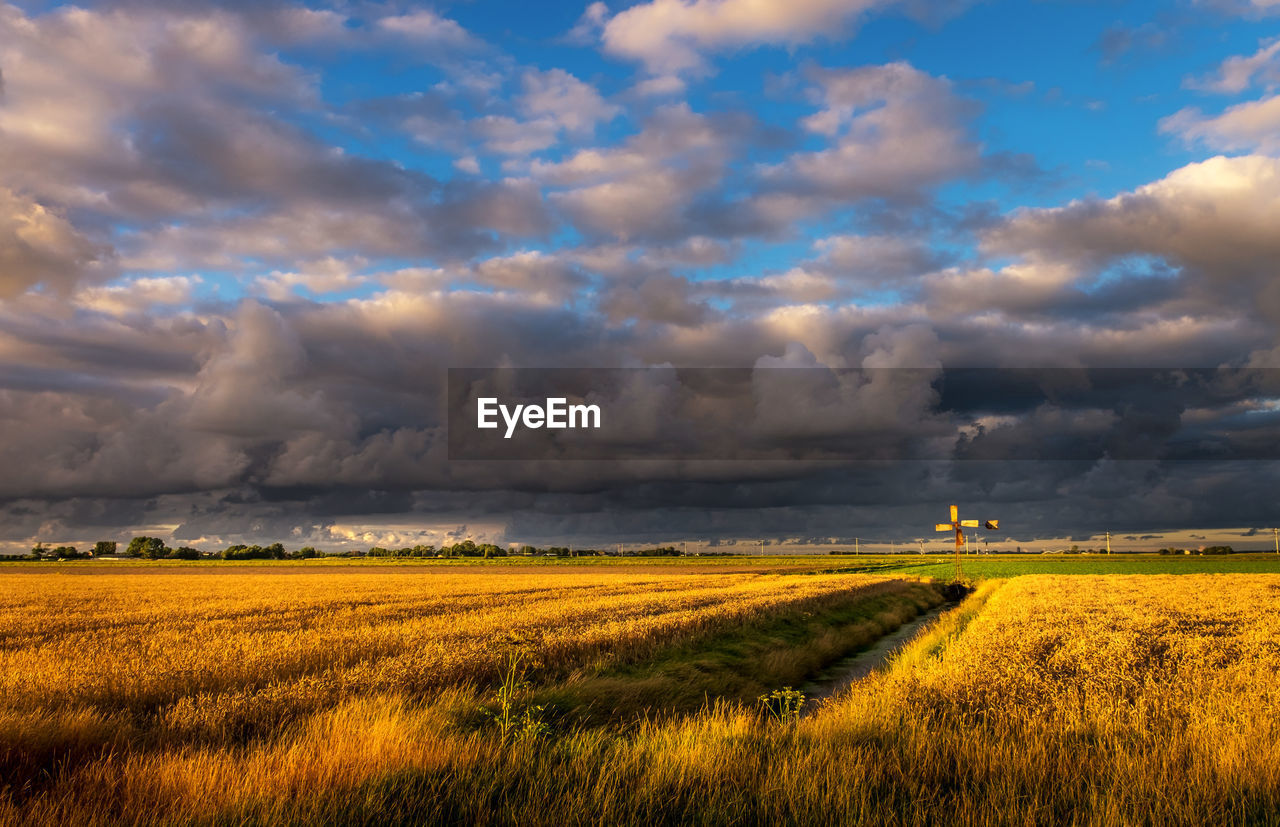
1254,125
670,36
1218,215
138,295
894,131
575,106
1193,250
1238,73
642,187
428,28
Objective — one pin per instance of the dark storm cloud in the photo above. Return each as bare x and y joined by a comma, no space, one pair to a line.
316,407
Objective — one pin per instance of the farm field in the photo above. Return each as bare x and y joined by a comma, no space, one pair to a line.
934,565
985,566
105,670
245,698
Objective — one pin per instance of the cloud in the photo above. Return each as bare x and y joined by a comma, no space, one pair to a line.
876,260
456,220
531,272
796,285
327,275
426,27
253,420
1188,257
670,36
894,132
1251,126
172,127
1238,73
1119,39
660,298
85,72
549,106
846,266
661,86
505,135
573,105
1245,8
247,387
643,188
589,25
1215,216
39,247
138,295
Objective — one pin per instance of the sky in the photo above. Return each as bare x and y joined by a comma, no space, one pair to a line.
241,243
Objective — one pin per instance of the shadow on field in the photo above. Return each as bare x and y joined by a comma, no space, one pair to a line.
737,664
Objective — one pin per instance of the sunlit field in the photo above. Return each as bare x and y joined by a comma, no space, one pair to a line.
100,672
620,695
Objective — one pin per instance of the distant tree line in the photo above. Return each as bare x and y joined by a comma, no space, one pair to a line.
659,551
1205,550
467,548
275,551
43,552
154,548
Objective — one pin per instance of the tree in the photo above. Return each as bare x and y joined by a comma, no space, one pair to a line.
104,548
154,548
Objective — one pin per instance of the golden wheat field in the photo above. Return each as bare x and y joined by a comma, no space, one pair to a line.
101,669
353,698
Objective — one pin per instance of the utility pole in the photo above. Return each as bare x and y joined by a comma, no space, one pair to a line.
1108,542
921,543
761,546
1275,532
856,550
